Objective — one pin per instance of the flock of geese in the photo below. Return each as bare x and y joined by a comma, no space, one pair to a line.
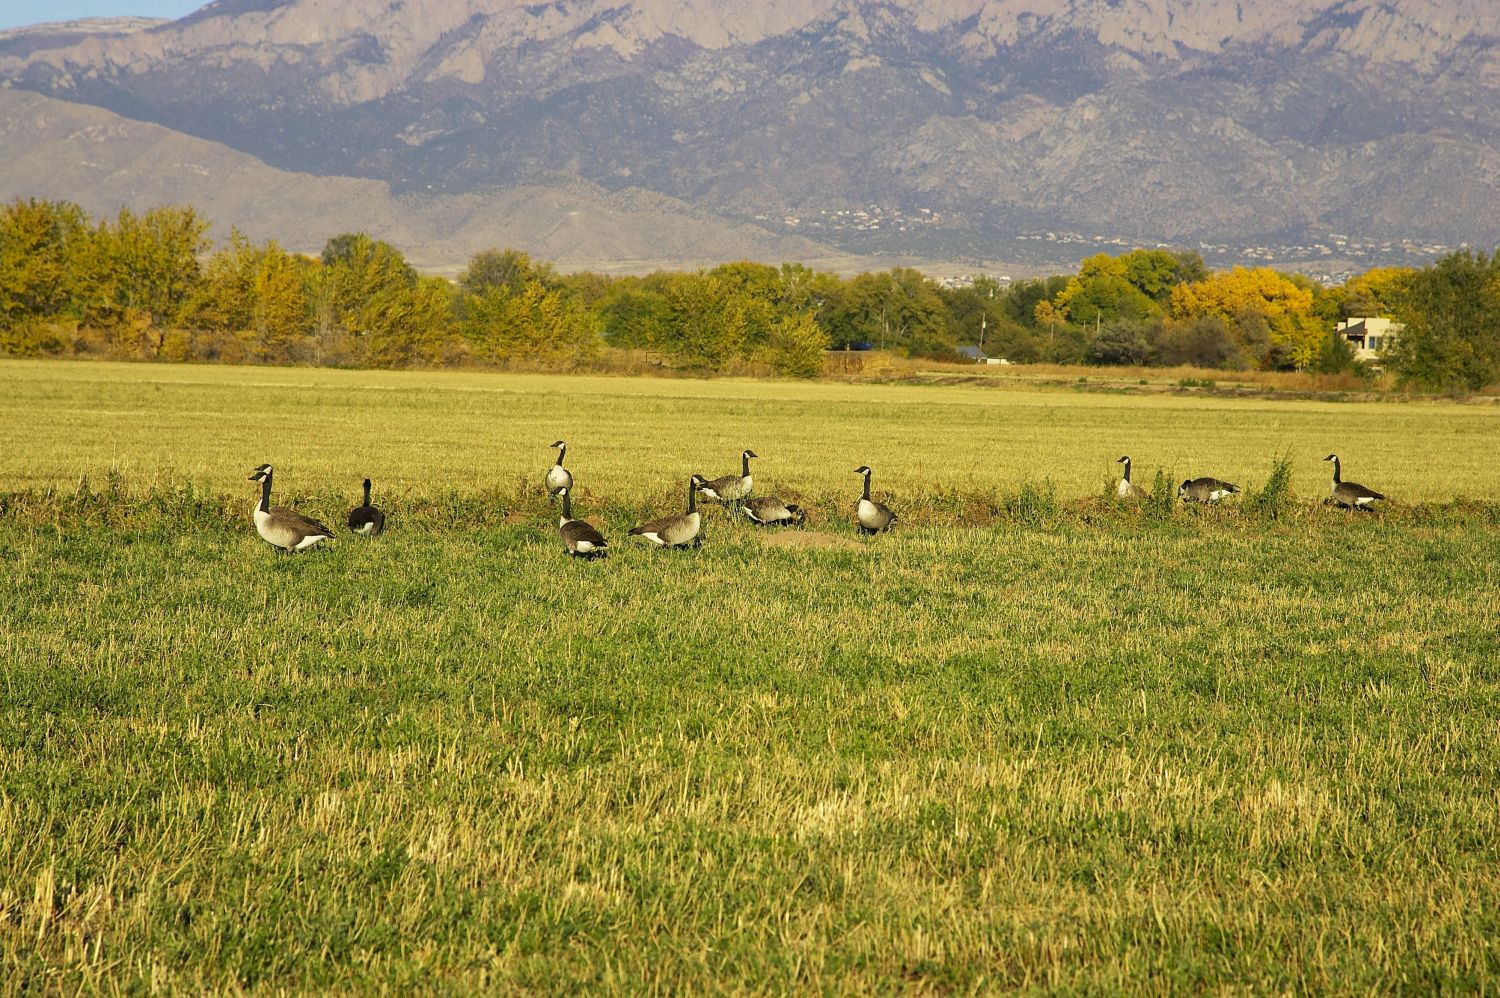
290,531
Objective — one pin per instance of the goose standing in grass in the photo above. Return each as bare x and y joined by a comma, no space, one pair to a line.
280,527
558,477
768,511
366,519
579,536
679,530
1125,490
1208,490
870,516
730,488
1351,495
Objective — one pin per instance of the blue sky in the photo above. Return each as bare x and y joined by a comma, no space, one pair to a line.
14,13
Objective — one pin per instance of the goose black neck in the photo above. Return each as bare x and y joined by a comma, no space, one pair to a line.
745,465
1127,469
367,492
867,486
265,493
567,504
1336,478
692,496
561,453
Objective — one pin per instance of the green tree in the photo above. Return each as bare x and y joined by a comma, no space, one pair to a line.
1335,356
370,298
712,322
1451,311
1104,298
635,315
40,242
537,323
1023,297
510,269
898,309
1156,272
141,272
796,345
1202,341
1120,342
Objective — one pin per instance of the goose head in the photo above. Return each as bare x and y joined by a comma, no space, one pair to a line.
1123,460
260,473
697,480
367,485
749,453
559,444
1331,457
1182,489
863,469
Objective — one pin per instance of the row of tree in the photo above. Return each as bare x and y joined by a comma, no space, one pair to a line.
152,285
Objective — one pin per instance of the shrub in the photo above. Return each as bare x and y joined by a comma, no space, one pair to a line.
1275,497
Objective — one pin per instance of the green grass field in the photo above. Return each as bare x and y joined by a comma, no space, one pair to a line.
1030,739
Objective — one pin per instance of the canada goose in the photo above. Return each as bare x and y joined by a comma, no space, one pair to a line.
280,527
1125,490
870,516
730,488
367,519
768,511
558,477
1351,495
1205,490
678,530
579,536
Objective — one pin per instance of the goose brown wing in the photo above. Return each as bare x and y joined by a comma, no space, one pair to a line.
294,520
581,530
655,526
719,486
768,509
1350,491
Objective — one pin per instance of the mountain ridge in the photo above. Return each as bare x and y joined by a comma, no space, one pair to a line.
113,162
964,122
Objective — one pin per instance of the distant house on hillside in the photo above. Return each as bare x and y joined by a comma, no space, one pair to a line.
1370,336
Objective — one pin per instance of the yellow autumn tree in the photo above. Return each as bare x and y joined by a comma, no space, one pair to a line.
1259,304
1376,292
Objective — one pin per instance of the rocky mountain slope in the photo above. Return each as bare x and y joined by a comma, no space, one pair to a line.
931,126
102,161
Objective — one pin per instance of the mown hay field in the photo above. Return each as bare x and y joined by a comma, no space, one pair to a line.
1030,739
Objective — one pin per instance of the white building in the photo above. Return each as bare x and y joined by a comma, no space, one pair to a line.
1370,336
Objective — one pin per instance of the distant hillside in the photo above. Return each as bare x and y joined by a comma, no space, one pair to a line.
103,161
934,127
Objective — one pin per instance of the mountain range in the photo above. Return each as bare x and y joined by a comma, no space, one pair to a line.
634,133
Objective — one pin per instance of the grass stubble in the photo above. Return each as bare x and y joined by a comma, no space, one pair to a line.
1034,739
